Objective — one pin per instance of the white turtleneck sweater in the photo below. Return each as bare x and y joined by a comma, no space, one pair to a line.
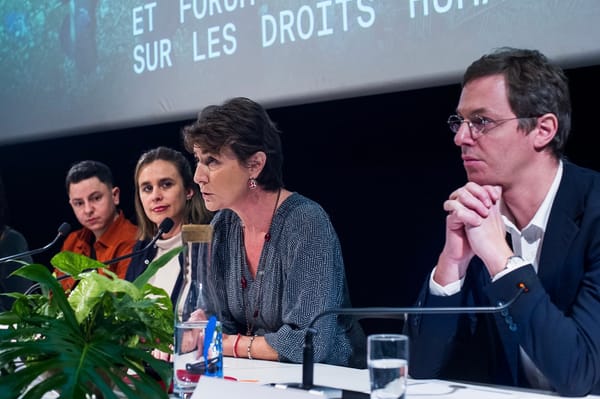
166,276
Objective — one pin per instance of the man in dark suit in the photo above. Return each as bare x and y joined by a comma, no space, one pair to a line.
511,124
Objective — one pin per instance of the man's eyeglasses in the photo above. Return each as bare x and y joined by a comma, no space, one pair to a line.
478,125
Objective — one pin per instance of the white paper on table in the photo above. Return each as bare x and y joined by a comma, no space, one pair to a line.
221,388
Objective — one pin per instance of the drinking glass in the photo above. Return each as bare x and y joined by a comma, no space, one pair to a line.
198,353
198,338
387,359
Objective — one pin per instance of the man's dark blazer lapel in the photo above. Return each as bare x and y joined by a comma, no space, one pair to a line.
562,228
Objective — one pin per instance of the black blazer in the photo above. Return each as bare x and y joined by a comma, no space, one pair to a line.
140,262
557,322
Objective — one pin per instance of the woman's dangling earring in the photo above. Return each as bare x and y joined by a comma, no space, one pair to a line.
252,183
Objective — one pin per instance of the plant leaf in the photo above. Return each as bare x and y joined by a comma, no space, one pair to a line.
74,264
41,275
156,264
88,342
90,288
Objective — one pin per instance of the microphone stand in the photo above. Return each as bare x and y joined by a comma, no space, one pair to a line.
63,230
165,226
382,313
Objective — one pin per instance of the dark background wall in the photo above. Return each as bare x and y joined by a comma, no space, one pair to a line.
380,165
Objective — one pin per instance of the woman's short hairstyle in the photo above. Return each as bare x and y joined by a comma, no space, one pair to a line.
243,126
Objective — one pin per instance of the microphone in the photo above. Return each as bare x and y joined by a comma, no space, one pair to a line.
383,313
164,227
63,230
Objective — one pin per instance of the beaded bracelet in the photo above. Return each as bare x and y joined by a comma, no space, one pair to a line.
237,339
250,346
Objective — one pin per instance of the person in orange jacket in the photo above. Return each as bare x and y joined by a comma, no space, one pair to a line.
106,233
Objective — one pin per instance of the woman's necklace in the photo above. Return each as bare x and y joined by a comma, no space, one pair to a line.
259,278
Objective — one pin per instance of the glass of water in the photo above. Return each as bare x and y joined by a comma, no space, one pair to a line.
387,359
198,352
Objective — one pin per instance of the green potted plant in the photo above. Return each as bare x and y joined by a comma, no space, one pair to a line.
97,341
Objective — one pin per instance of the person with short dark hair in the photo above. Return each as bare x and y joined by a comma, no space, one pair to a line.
106,233
276,258
512,123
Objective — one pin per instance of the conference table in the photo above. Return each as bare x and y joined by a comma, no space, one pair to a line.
249,379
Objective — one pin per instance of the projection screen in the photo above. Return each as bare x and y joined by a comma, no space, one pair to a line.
77,66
